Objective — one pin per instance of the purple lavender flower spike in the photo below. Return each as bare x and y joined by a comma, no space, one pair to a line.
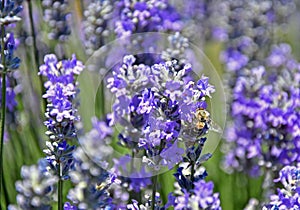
248,32
68,206
157,106
36,189
287,197
10,96
61,112
98,24
9,12
90,173
204,20
172,156
264,110
56,16
202,197
12,63
151,107
147,16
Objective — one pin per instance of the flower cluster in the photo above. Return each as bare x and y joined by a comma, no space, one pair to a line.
155,105
10,95
61,112
193,192
256,138
56,16
251,24
97,25
159,106
265,131
137,16
203,20
36,189
135,205
287,197
136,180
9,10
90,175
11,63
178,45
196,195
201,197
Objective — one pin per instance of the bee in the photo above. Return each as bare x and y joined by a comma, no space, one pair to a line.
201,124
203,119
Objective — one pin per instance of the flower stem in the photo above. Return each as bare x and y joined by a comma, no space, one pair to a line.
102,99
193,172
60,189
154,180
3,104
132,161
36,52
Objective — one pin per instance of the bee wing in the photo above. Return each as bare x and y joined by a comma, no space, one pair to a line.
213,126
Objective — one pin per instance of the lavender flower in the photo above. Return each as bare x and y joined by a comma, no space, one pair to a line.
90,175
258,144
265,103
136,181
9,12
201,197
250,25
68,206
149,99
36,189
204,20
11,63
288,196
11,102
147,204
136,16
146,16
56,16
177,50
61,111
97,25
192,191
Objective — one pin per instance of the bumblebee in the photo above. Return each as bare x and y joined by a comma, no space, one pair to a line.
201,124
203,118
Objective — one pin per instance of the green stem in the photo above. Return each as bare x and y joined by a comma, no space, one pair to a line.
193,172
155,178
3,104
35,49
154,191
36,53
60,190
132,162
102,99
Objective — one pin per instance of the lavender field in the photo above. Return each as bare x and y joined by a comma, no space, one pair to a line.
150,104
